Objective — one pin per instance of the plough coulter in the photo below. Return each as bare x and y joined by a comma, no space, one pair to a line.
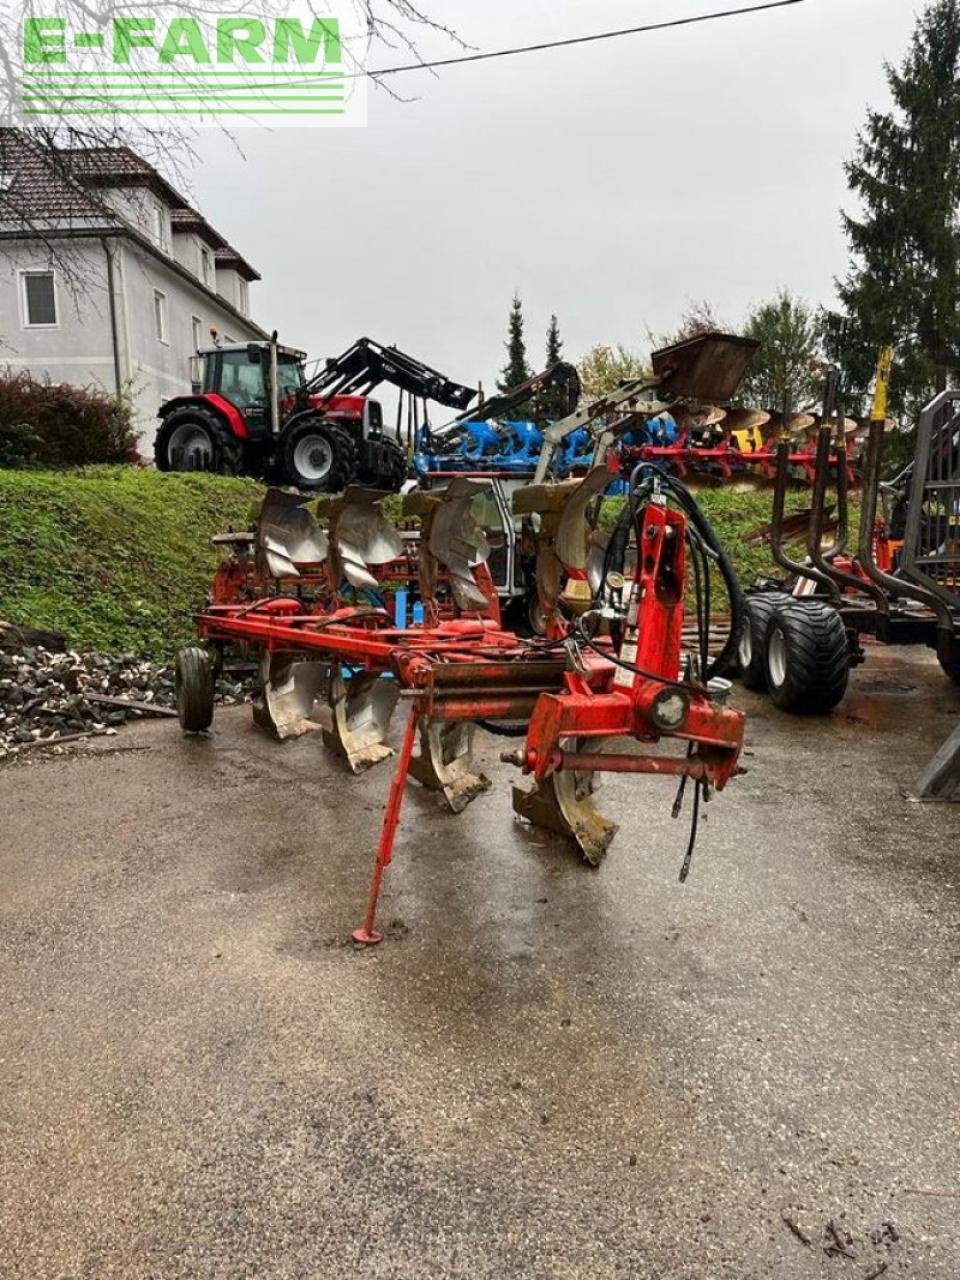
328,612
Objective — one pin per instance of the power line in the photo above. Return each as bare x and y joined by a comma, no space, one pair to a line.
560,44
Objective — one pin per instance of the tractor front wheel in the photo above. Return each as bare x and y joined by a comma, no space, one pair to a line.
807,657
948,653
316,456
194,690
194,439
752,652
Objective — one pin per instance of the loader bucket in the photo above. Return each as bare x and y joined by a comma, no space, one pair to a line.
287,537
445,762
459,543
361,535
708,367
356,718
563,802
290,691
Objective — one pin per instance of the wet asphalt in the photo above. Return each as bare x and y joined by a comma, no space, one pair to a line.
546,1071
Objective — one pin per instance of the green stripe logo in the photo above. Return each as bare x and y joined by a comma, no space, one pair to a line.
296,66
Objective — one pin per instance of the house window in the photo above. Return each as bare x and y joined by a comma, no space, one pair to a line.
160,226
197,324
160,314
244,297
39,299
206,266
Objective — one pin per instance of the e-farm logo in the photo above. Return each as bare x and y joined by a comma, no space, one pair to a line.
218,70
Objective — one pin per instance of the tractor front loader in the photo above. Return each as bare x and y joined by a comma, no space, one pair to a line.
254,412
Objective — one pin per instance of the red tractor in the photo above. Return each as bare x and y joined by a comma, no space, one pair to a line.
253,412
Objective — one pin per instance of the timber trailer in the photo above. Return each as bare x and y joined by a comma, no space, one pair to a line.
801,639
254,412
326,611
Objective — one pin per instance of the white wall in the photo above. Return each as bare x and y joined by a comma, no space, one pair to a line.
79,349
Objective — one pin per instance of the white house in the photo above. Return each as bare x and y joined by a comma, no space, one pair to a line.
108,277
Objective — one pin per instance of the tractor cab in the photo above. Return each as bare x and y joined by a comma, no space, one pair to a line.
240,374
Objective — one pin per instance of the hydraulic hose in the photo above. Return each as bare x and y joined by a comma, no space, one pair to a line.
725,658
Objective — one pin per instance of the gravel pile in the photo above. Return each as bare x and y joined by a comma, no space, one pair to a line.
46,695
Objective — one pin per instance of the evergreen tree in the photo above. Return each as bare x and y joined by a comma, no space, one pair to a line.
516,369
903,285
788,362
554,343
552,404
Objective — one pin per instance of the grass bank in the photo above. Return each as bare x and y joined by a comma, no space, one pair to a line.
116,558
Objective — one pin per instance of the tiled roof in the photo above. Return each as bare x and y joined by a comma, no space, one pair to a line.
228,257
43,186
38,188
187,219
118,167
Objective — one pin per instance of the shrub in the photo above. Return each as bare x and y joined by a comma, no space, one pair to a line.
43,425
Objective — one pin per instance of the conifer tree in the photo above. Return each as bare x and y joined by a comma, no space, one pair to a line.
903,284
516,369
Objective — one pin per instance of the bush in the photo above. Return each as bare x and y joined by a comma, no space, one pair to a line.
42,425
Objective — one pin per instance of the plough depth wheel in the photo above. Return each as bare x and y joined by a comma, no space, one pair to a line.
194,690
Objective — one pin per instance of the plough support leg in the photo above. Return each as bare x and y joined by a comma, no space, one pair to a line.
367,935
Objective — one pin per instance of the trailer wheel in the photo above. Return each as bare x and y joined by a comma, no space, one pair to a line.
317,456
752,651
807,657
948,653
194,439
194,688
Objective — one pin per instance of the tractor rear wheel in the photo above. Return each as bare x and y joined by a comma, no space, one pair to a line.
194,690
807,657
395,472
752,652
317,456
193,438
948,653
392,472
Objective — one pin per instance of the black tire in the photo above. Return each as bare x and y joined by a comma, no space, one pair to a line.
212,446
393,469
317,457
395,472
948,655
807,656
752,653
536,618
194,687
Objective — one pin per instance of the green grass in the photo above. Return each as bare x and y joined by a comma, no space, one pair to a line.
116,558
119,559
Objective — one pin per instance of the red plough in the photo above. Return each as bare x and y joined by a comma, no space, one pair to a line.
611,668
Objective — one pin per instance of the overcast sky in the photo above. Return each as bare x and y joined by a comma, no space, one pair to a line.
610,183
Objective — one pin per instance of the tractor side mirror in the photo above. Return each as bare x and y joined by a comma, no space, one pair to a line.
254,354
